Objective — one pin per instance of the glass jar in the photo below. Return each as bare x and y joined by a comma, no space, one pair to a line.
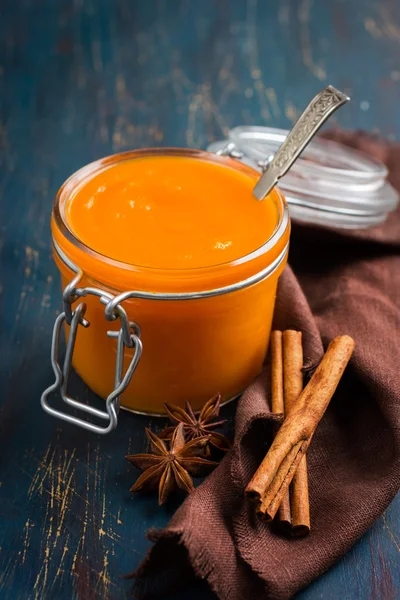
140,336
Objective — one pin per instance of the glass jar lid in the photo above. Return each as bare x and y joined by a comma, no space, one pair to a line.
329,184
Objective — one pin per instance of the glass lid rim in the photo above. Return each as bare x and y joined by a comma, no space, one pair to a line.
292,190
294,201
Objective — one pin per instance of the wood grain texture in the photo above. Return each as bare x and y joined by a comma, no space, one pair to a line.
82,79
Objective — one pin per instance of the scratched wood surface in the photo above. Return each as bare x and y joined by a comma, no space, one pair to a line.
82,79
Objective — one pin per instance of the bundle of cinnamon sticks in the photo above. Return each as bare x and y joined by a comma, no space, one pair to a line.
280,484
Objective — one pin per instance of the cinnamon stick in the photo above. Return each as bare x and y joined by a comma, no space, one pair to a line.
269,505
277,406
292,388
273,477
300,502
284,514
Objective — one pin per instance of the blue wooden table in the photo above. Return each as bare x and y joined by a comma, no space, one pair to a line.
82,79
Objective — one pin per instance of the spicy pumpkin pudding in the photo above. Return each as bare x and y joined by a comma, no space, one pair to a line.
169,212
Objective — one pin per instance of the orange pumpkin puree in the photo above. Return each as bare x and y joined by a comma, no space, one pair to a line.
171,212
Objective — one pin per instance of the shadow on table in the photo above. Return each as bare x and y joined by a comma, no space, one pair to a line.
198,591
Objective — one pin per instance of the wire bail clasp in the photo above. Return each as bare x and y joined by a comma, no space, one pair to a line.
127,336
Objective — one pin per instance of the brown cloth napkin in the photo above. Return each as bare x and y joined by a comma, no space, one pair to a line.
339,282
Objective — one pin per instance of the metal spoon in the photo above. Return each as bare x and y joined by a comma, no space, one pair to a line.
317,112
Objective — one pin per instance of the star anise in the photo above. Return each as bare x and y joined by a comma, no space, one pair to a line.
173,467
196,427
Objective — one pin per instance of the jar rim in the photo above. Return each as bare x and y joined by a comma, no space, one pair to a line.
61,226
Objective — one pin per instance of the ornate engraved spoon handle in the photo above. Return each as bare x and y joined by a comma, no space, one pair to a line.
317,112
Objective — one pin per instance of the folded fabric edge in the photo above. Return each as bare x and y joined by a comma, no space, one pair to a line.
158,572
